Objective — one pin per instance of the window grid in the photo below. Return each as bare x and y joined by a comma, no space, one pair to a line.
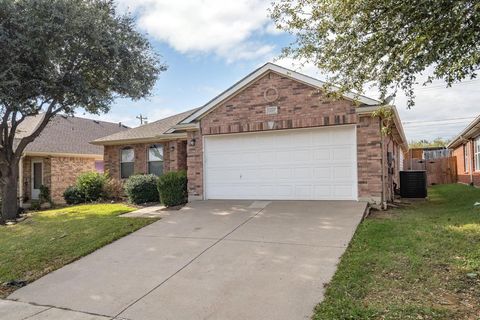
477,154
155,159
127,160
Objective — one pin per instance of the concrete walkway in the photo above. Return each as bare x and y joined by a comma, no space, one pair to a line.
210,260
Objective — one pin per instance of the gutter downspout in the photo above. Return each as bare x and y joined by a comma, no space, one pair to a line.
20,181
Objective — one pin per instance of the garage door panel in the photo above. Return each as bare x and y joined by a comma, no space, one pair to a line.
313,164
323,154
322,174
303,191
342,173
343,154
344,191
303,173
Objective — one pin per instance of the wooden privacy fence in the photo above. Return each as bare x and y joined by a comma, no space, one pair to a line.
439,171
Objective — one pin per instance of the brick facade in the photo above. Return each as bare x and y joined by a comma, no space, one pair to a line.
369,158
195,165
58,174
297,106
466,175
64,173
174,157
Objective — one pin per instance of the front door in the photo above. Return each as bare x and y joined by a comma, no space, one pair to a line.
37,178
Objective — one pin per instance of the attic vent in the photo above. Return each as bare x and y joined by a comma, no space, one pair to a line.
271,110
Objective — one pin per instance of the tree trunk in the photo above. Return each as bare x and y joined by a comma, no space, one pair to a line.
9,193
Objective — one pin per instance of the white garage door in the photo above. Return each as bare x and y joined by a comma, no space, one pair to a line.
304,164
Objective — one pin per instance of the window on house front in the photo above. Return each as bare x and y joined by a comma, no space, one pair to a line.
99,166
477,154
466,157
127,160
155,159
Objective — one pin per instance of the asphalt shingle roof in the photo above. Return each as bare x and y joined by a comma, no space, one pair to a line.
64,134
147,131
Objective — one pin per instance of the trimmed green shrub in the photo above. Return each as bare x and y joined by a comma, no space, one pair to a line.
113,189
44,196
73,196
172,187
90,185
142,188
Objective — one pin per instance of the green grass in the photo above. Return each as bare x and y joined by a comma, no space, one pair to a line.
412,263
50,239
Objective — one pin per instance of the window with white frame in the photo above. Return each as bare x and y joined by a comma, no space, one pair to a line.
466,157
127,161
155,159
477,153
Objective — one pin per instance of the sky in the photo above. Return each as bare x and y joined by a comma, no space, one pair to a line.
209,45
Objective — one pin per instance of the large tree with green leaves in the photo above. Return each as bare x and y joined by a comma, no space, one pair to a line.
384,43
60,55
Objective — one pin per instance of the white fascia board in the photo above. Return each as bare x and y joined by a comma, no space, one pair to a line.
183,126
465,134
280,70
153,139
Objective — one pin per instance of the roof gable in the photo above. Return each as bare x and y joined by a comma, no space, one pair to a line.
270,67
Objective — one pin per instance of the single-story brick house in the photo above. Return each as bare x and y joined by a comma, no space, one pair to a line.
59,154
466,148
272,135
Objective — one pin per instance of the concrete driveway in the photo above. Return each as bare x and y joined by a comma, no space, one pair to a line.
210,260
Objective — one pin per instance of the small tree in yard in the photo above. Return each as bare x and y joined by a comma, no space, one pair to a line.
57,56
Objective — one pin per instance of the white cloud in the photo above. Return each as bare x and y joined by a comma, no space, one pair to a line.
208,26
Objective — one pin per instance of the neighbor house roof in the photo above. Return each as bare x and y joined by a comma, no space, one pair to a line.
471,131
150,132
66,135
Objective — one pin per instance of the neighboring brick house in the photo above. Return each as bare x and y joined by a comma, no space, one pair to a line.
60,154
466,148
272,135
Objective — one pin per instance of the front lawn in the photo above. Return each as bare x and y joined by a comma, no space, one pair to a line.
419,262
50,239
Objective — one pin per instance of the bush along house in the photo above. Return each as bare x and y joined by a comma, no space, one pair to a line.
273,135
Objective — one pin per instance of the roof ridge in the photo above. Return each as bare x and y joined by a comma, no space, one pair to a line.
90,119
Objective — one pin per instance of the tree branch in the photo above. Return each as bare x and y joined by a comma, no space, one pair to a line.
49,114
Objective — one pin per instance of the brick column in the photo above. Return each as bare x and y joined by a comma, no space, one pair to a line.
194,165
177,159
